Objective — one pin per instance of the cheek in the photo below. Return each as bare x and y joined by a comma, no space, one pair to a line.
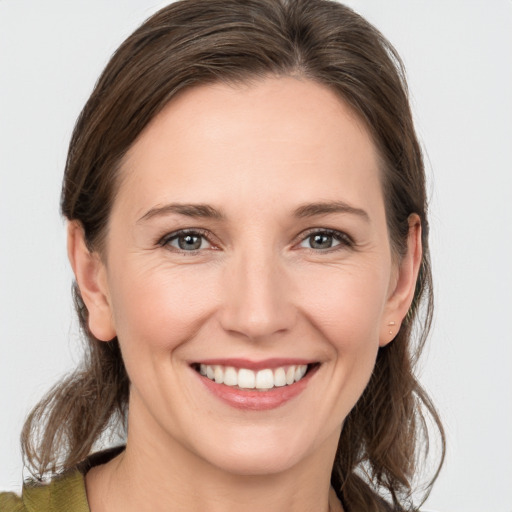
348,314
160,308
346,304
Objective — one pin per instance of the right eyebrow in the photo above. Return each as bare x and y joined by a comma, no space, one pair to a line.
187,209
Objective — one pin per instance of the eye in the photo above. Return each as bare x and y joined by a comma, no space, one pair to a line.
186,241
325,240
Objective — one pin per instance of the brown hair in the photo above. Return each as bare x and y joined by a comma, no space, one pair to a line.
194,42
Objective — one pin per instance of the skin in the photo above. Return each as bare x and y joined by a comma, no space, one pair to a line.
255,289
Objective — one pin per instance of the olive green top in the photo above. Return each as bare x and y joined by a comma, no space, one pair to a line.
65,493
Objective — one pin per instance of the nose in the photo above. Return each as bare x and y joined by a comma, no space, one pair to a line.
258,297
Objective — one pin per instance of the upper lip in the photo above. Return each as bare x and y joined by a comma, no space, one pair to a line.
255,365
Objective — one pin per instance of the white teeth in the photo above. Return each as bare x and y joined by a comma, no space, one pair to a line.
290,375
230,376
279,377
218,373
248,379
300,372
264,379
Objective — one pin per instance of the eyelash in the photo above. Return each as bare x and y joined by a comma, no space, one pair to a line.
345,241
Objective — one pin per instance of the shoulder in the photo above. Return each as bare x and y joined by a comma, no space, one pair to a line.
10,502
65,493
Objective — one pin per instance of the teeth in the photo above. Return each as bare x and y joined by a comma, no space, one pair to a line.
279,377
300,372
290,375
218,374
230,376
248,379
264,379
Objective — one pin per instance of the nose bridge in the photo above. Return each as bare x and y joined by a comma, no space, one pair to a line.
257,301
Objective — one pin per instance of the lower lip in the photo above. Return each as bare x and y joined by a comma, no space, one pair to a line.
249,399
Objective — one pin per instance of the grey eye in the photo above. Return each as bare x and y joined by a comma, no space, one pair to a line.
320,241
188,242
325,239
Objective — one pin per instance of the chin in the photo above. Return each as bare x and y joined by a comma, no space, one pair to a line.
257,462
258,453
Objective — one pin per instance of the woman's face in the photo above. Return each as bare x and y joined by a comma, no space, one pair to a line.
248,241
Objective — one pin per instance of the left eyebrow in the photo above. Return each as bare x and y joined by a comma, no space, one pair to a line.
324,208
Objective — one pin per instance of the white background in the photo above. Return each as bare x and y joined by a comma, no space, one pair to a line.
458,54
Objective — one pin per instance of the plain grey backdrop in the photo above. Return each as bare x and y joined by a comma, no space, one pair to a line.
458,55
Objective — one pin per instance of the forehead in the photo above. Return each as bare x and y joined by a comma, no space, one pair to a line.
252,140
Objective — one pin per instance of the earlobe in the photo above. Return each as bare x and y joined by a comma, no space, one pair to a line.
90,275
402,294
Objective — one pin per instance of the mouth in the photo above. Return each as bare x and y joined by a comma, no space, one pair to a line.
263,379
255,386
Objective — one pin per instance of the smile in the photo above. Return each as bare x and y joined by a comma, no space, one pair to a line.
245,378
255,386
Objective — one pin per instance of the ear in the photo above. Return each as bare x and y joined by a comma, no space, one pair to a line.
90,274
403,285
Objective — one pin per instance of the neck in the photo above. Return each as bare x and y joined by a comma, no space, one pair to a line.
160,474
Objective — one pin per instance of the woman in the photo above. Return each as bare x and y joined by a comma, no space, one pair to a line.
248,232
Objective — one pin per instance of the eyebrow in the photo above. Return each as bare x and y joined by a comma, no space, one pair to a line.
324,208
189,210
209,212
